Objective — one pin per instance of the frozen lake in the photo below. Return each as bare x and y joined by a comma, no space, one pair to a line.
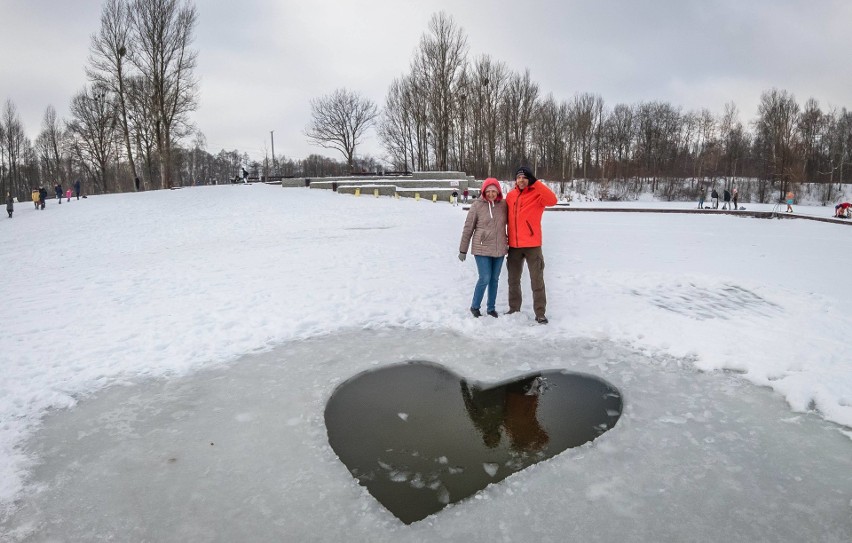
239,452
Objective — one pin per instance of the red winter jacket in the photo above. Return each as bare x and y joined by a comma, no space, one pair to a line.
525,210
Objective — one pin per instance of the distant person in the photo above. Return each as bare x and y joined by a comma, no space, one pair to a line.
36,195
57,188
790,197
77,188
137,183
454,198
714,198
842,210
527,202
42,195
10,204
68,195
464,195
701,194
727,196
735,196
484,233
245,176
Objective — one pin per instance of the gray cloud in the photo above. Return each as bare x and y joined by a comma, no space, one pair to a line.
260,62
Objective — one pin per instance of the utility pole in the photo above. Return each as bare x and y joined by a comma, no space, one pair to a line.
272,137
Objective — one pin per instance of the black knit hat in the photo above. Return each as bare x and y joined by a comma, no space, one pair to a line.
527,173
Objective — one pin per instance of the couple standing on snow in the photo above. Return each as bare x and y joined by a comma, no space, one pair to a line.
489,220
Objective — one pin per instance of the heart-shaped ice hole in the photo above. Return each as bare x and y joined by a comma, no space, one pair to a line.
420,437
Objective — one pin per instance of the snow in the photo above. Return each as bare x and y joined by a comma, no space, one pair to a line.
136,318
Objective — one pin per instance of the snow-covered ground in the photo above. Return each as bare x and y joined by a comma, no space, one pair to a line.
231,313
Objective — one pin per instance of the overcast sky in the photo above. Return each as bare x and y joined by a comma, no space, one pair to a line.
261,61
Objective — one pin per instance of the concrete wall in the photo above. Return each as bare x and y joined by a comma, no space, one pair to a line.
443,194
294,182
368,190
426,184
406,184
438,175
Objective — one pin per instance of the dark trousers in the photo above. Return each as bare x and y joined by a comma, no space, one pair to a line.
515,267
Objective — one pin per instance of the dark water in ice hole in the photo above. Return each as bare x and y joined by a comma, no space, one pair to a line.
420,437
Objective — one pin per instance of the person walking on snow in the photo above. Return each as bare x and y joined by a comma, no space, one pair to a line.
77,188
10,204
790,197
57,188
527,202
484,233
42,196
727,196
714,199
735,197
701,194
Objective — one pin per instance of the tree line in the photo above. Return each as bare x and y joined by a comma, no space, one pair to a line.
450,111
127,119
130,126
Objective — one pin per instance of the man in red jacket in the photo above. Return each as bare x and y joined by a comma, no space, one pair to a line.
526,205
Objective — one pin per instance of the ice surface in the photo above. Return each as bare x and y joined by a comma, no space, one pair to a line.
214,456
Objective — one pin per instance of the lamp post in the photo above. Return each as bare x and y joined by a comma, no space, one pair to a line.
463,99
488,120
272,138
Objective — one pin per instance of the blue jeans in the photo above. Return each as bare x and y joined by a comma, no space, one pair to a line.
489,274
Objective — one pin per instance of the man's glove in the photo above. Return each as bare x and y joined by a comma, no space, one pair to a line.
462,256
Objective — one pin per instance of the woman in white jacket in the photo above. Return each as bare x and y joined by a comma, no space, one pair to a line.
485,235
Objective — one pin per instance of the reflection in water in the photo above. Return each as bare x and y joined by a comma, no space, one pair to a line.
419,437
511,407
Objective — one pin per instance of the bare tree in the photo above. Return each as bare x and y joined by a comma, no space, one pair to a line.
547,136
776,131
658,125
162,34
706,144
14,143
339,120
517,108
810,128
588,109
108,62
489,82
51,147
838,143
439,65
140,120
93,129
734,142
396,127
620,132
